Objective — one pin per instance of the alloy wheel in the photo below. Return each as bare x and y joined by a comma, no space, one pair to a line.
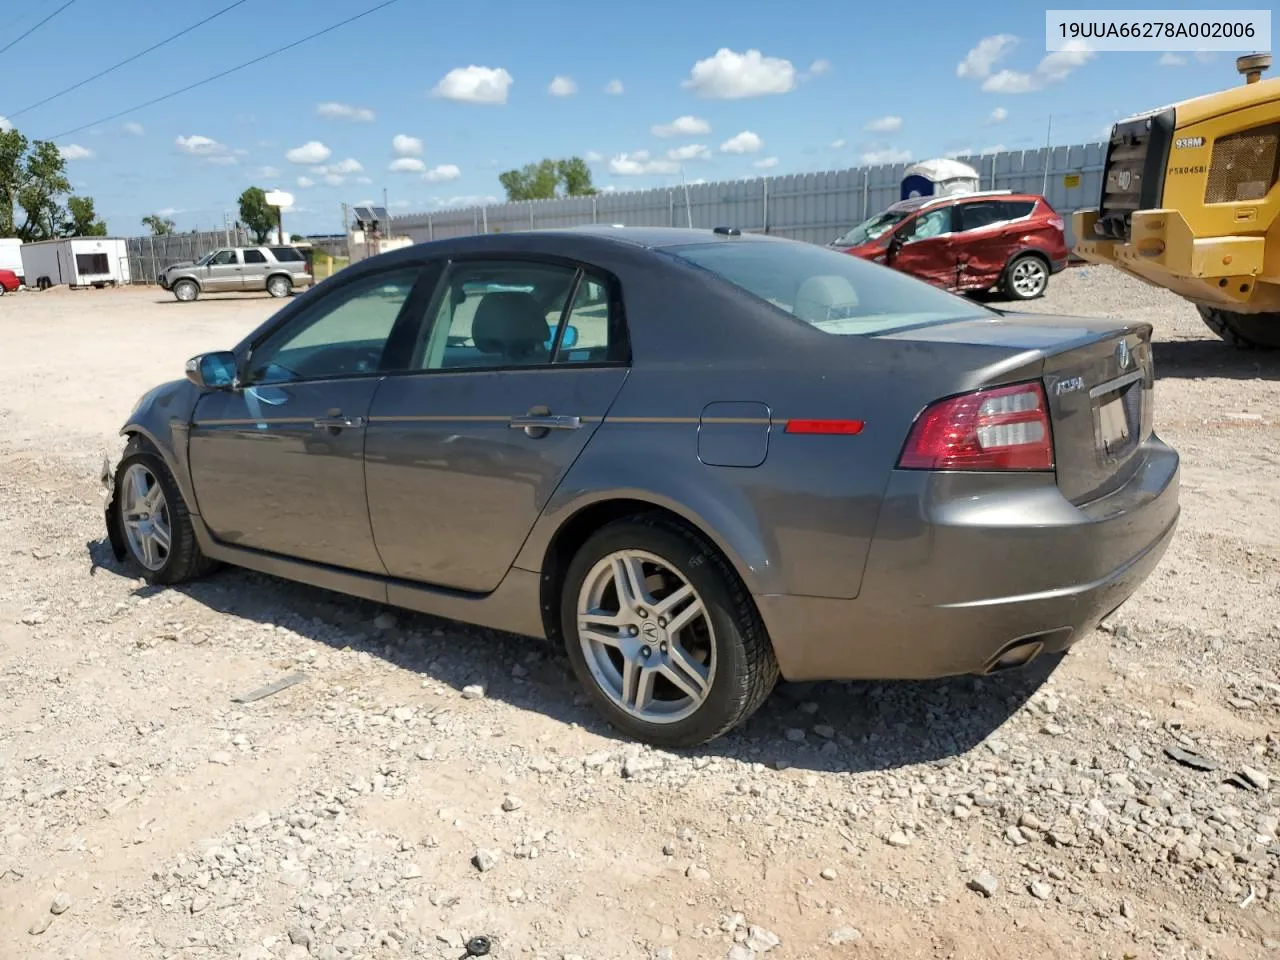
145,515
646,636
1029,277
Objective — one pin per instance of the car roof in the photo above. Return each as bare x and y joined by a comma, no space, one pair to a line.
915,203
654,237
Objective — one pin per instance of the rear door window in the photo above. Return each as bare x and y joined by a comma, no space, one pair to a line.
1017,209
981,213
254,256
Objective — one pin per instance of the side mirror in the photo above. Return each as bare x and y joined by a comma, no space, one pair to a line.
215,371
570,338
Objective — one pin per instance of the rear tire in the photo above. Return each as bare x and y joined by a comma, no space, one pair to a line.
279,286
186,290
1244,331
152,518
699,666
1025,278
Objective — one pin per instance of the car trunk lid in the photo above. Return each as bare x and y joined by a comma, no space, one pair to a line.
1098,379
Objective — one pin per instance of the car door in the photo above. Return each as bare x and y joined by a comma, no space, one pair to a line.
254,276
924,248
517,367
224,272
277,463
983,242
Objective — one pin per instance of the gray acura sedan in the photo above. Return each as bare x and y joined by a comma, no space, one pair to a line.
700,460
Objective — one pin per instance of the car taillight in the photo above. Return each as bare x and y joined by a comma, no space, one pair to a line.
1005,428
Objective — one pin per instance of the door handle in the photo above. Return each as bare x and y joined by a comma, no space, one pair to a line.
338,423
546,421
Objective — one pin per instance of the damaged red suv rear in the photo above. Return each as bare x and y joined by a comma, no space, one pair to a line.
967,243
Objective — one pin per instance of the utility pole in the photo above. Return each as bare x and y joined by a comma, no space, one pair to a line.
388,209
1048,156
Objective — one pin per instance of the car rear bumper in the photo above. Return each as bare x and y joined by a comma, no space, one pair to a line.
957,579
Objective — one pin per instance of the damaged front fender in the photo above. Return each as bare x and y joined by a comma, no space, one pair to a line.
115,535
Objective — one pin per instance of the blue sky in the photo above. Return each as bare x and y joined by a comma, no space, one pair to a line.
452,94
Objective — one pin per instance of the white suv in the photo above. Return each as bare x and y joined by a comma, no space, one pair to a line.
277,270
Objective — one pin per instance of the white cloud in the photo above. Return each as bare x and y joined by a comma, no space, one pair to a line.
1053,68
994,148
345,111
962,152
989,51
837,143
406,146
407,165
473,200
591,156
168,212
640,163
998,115
562,87
819,67
766,163
199,146
305,182
474,85
734,76
681,127
73,151
364,180
346,167
1171,59
690,151
442,173
334,179
744,142
310,153
613,87
1206,56
136,129
5,124
887,155
269,172
884,124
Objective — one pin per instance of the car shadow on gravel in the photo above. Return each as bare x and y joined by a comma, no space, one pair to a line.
1213,359
847,726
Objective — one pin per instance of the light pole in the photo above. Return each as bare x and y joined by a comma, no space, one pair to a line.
279,199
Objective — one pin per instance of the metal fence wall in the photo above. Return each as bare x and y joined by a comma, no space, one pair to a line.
816,207
150,255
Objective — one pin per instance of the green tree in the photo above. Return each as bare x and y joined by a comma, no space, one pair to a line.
257,214
33,180
548,179
82,220
159,226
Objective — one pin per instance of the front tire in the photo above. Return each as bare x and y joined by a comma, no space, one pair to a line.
279,287
186,290
1026,277
153,520
663,634
1244,331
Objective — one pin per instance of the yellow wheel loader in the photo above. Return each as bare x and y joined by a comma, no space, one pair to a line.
1190,203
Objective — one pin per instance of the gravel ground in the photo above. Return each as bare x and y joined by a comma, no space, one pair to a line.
427,783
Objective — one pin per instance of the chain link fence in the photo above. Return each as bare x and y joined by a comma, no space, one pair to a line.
148,256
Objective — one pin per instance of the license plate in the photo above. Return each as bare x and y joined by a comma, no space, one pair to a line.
1114,425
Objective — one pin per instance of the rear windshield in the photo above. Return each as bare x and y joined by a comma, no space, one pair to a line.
832,291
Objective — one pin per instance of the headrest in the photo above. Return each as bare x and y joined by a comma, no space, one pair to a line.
818,297
510,323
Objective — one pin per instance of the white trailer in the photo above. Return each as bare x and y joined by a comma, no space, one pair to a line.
77,262
11,255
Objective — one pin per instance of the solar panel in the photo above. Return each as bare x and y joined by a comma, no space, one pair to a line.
380,214
364,214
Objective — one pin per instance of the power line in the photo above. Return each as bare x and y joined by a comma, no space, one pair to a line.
19,39
227,72
155,46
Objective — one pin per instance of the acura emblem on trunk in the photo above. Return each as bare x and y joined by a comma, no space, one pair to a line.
1122,354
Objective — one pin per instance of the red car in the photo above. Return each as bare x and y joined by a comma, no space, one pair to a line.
967,243
9,282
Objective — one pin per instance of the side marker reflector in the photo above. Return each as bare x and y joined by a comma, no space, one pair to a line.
841,427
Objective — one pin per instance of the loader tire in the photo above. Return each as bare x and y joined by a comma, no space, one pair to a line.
1245,331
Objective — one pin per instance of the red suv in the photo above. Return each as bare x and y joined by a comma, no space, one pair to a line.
967,242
